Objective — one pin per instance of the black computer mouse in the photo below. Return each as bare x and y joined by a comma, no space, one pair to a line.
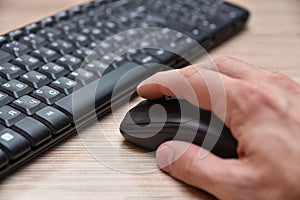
153,122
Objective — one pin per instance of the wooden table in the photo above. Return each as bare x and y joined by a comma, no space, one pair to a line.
69,171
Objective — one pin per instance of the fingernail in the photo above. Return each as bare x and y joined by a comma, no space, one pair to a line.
164,157
142,83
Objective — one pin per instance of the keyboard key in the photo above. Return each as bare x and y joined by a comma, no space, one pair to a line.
98,68
33,40
104,47
119,61
35,79
5,57
9,116
74,10
64,85
50,33
69,62
3,40
53,70
94,44
5,99
62,46
2,80
14,144
85,7
67,26
82,21
184,44
93,32
28,105
45,54
125,21
27,62
82,53
54,119
108,58
144,58
78,40
3,159
177,25
197,34
16,48
47,95
31,28
47,21
14,35
111,26
10,71
34,131
162,55
16,88
82,76
61,16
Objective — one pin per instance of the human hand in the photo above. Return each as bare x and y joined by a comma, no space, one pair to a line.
262,111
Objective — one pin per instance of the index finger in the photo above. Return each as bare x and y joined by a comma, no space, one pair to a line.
204,88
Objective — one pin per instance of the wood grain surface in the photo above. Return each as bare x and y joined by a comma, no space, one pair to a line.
98,163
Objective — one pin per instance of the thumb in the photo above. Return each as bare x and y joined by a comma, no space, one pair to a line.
198,167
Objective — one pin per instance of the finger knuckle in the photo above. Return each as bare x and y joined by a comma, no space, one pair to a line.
258,94
227,63
254,98
187,72
255,94
248,98
283,80
224,60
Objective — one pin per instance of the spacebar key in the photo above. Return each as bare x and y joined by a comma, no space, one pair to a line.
97,95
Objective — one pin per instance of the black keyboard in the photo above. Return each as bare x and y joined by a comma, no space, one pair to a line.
46,65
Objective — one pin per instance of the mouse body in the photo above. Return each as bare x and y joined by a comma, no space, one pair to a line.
153,122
